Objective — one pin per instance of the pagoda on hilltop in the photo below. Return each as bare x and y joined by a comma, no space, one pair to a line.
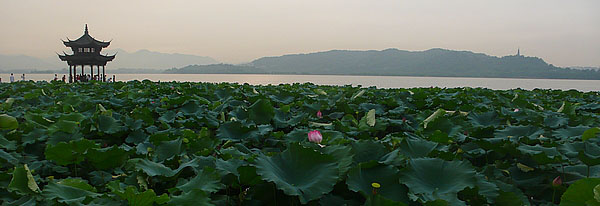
86,52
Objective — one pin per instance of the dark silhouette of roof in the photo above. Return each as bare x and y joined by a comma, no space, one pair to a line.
86,41
86,51
89,59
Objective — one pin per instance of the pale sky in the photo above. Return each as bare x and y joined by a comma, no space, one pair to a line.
562,32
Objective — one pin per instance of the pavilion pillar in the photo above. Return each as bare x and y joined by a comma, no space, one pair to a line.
98,67
104,73
82,68
91,72
74,73
70,74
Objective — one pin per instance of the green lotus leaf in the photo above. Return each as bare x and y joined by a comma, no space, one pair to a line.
146,198
8,157
361,178
107,158
65,193
109,125
136,137
531,132
590,133
8,103
510,195
168,149
581,193
144,114
8,122
206,180
343,155
37,135
283,120
486,119
191,198
367,150
230,166
100,177
6,144
38,120
261,112
555,120
581,171
235,131
432,179
157,169
571,150
282,97
380,200
168,117
74,116
570,132
23,181
66,126
590,155
190,107
23,201
335,200
299,171
72,152
416,147
540,154
77,183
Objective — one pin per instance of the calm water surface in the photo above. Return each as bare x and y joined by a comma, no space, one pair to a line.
365,81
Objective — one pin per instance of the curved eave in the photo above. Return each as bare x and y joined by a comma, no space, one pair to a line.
86,41
90,44
94,58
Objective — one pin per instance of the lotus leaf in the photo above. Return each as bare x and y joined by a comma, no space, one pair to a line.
191,198
206,180
424,180
299,171
361,177
23,181
66,193
8,122
581,193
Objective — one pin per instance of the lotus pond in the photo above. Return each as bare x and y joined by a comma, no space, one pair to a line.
168,143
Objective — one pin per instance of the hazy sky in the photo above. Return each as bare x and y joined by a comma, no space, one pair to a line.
563,32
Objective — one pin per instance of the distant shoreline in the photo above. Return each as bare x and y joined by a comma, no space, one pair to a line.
295,74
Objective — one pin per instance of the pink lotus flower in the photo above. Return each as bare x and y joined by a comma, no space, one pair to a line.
557,181
315,136
319,114
516,110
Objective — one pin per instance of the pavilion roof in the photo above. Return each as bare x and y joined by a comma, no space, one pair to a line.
87,59
86,41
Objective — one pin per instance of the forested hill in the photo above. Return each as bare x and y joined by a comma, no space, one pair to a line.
433,62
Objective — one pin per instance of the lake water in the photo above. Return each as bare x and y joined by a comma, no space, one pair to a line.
365,81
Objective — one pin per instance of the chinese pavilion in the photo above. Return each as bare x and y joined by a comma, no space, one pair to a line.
86,52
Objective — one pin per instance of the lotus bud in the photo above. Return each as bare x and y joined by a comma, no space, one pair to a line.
516,110
319,114
557,181
403,119
315,136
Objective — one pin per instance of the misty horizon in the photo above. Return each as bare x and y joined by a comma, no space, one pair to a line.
562,33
